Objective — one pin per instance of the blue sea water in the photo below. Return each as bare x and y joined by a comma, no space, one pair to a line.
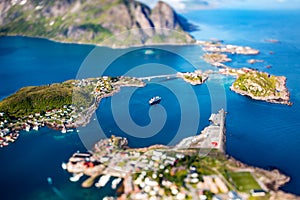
258,133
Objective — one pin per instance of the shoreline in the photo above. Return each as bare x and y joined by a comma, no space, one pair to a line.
99,44
107,153
91,110
217,54
282,95
67,116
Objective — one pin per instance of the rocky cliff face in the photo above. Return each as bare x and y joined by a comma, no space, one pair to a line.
93,21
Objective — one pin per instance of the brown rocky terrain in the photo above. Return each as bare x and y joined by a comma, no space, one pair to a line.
94,21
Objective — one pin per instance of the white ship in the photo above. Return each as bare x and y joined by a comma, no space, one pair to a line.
115,183
102,181
76,177
155,100
27,127
35,127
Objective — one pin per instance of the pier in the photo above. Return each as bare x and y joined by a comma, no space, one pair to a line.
212,137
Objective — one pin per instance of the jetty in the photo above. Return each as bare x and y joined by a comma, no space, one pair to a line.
212,137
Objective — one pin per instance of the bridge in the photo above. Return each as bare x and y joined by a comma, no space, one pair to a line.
168,76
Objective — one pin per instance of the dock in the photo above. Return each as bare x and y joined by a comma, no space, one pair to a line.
212,137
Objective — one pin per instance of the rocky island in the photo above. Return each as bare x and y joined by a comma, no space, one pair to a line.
262,86
194,78
219,47
216,59
249,82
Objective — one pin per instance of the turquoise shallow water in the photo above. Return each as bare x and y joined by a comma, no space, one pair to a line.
258,133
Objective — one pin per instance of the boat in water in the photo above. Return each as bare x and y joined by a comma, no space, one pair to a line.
64,165
154,100
102,181
115,183
35,127
76,177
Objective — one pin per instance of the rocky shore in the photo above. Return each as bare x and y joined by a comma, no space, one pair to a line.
194,78
249,82
255,85
86,115
218,47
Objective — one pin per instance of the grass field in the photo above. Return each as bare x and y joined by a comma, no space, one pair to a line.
244,181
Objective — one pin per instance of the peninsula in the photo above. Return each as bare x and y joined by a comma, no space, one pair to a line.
196,168
60,106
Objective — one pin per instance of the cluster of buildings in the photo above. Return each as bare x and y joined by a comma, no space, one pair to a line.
163,180
69,116
61,119
147,174
103,86
158,172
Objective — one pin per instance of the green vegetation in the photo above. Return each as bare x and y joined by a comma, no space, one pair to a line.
39,99
177,37
244,181
87,22
81,26
258,84
193,78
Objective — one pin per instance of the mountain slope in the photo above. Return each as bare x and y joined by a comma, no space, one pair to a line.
93,21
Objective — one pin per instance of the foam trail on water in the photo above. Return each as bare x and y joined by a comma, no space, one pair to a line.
58,193
54,189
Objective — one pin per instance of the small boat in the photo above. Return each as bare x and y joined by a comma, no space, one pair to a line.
64,130
27,128
64,166
15,135
115,183
36,127
5,144
102,181
149,52
108,198
155,100
76,177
